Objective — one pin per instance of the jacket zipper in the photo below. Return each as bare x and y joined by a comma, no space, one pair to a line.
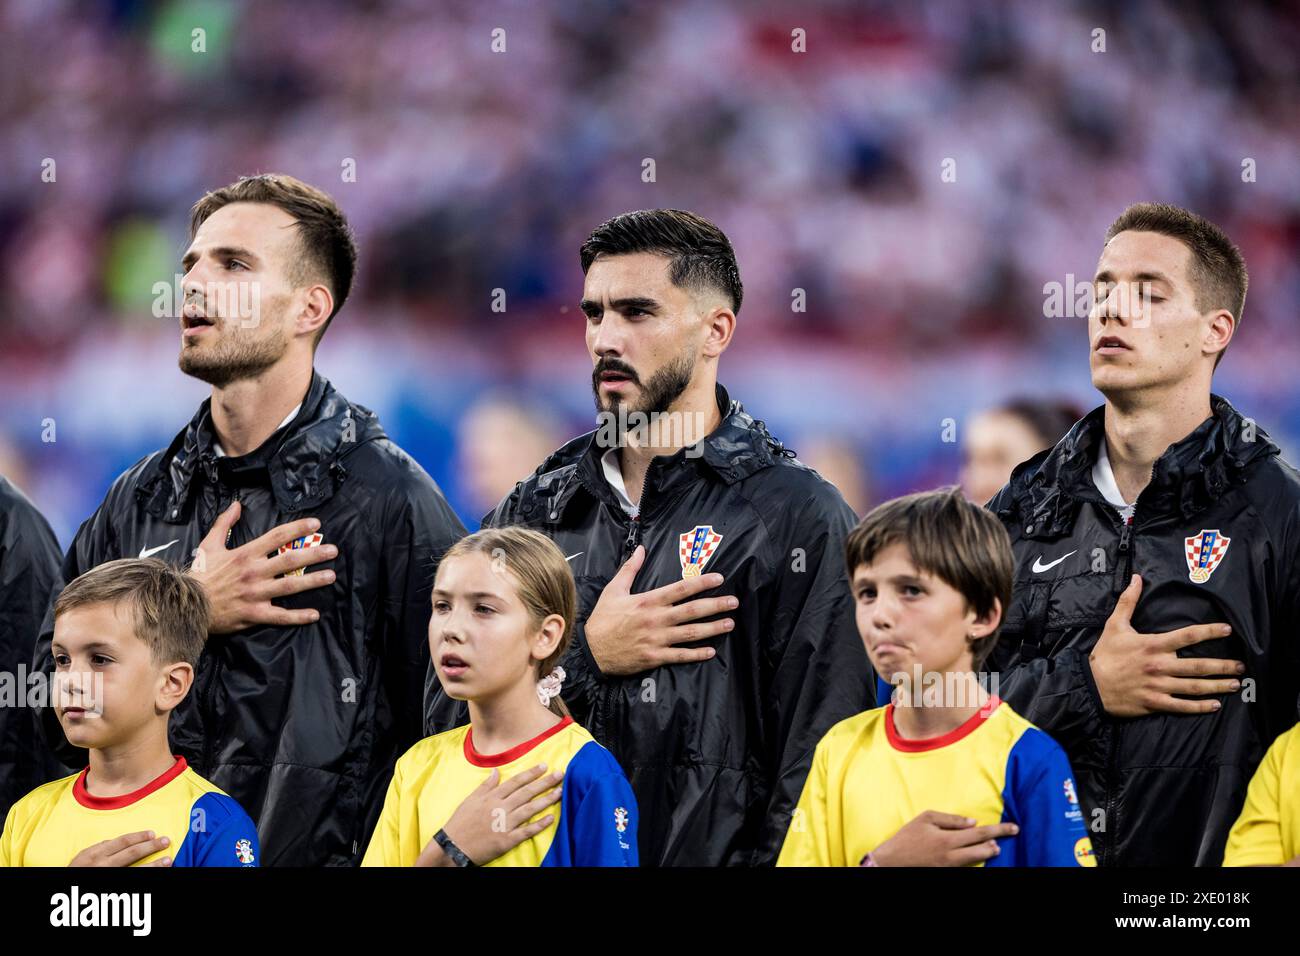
607,688
1125,560
1125,563
633,536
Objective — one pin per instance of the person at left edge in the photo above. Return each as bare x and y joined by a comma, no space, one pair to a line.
29,563
310,685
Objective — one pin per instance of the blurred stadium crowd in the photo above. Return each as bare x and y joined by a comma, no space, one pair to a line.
477,171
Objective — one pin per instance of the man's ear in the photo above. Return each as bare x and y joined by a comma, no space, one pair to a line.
1219,332
721,323
982,625
176,681
315,312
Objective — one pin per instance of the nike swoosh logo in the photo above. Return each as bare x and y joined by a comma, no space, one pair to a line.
145,552
578,555
1039,567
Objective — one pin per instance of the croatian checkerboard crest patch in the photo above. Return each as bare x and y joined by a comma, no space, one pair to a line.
1204,552
306,541
697,546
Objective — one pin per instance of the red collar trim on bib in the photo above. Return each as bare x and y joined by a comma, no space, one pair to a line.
514,753
934,743
87,799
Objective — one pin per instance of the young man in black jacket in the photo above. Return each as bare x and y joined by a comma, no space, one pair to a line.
1152,630
29,565
311,684
712,704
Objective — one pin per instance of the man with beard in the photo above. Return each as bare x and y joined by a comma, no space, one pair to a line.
310,684
712,704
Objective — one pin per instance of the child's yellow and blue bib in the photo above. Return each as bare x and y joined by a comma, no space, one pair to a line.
866,783
596,818
55,822
1268,831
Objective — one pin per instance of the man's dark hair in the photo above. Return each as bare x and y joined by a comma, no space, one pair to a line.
329,250
700,253
949,537
1218,270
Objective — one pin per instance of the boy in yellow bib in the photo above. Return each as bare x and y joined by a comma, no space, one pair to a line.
946,774
503,609
127,637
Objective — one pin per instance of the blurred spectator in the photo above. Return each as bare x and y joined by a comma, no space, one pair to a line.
501,441
899,196
839,463
999,439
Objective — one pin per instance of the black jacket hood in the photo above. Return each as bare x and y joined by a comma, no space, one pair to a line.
305,468
739,447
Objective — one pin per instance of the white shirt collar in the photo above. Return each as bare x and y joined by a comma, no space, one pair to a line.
1103,476
221,452
614,475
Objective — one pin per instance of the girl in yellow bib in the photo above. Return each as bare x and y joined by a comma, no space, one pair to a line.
481,795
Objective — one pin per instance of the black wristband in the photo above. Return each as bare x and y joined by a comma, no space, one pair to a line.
454,853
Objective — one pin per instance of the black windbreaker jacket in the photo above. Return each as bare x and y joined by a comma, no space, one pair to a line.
29,565
301,725
716,751
1163,789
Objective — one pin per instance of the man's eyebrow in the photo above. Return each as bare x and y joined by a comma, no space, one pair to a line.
1153,276
222,252
643,303
1149,275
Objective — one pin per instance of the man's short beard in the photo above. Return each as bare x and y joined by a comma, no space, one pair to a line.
234,362
658,394
657,397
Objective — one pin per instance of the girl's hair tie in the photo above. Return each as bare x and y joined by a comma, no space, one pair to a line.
549,686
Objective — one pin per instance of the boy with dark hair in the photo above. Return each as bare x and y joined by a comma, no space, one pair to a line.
946,774
127,637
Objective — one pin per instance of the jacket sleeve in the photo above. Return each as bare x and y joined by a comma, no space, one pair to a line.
581,674
1056,693
29,566
96,542
821,674
418,528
